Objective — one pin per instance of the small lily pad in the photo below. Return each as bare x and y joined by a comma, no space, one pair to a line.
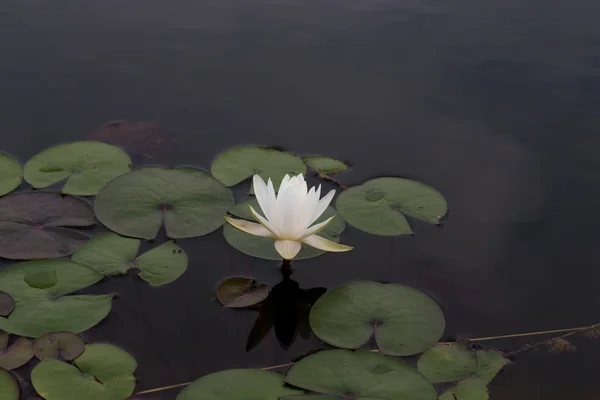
41,278
9,388
447,363
240,292
111,254
87,166
404,320
38,311
311,397
261,247
326,166
189,201
138,137
235,165
235,384
11,174
7,304
17,354
469,389
360,375
65,345
378,206
33,225
102,372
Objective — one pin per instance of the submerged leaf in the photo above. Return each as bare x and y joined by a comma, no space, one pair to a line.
66,345
189,201
378,206
403,320
235,165
87,166
138,137
33,225
240,292
11,174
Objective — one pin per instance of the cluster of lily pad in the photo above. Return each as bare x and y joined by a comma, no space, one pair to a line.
53,222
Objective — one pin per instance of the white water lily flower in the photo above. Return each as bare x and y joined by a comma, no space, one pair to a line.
289,216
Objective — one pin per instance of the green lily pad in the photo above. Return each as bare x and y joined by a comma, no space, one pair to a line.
261,247
326,166
404,320
234,384
111,254
41,278
240,292
469,389
17,354
65,345
311,397
9,388
189,201
102,372
87,166
7,304
447,363
11,174
235,165
38,311
34,225
378,206
360,375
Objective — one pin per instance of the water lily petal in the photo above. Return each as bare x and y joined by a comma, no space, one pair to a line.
250,227
271,196
307,209
264,222
287,212
262,195
316,228
288,249
322,206
325,244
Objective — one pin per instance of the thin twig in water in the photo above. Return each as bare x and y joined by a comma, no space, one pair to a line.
330,179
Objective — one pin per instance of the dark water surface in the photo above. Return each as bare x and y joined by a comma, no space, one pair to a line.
494,103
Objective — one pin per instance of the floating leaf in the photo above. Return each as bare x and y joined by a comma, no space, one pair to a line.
311,397
235,165
404,320
7,304
102,372
190,202
235,384
378,206
111,254
469,389
447,363
39,311
15,355
9,388
41,278
66,345
360,375
261,247
11,174
87,166
33,225
138,137
325,165
239,292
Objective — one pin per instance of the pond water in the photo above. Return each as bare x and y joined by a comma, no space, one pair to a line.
493,103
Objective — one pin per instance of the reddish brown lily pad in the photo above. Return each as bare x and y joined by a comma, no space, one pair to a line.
15,355
143,138
65,345
7,304
240,292
33,225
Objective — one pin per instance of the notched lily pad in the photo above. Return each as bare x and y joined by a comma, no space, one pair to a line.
111,254
7,304
240,292
360,375
9,388
65,345
326,166
190,203
17,354
11,174
261,247
235,165
102,372
34,225
87,166
235,384
379,206
403,320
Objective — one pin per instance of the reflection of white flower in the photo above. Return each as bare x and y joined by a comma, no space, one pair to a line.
289,215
